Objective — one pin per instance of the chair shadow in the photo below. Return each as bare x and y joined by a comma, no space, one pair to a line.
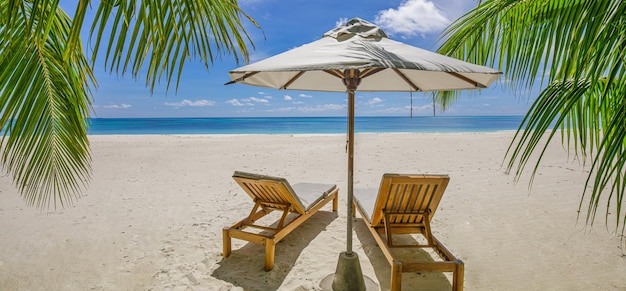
410,281
245,266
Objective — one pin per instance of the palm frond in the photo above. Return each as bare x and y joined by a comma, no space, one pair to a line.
161,36
540,40
551,39
609,163
44,102
591,122
45,80
578,49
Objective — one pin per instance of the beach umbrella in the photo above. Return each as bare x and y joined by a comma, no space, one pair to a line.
360,56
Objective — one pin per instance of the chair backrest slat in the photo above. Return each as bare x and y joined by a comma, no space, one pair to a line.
264,192
408,198
269,189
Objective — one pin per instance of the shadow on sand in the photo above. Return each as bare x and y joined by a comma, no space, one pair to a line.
244,267
410,281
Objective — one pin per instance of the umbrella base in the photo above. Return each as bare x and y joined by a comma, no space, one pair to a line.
348,276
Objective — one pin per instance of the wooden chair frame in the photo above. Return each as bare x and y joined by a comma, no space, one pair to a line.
386,223
271,194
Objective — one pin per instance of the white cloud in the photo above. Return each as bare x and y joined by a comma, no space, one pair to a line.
197,103
305,95
118,106
342,21
287,98
258,100
283,109
309,109
404,110
321,108
421,108
454,9
413,17
235,102
374,101
246,101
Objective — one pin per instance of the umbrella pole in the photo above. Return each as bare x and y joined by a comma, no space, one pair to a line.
350,170
348,275
351,80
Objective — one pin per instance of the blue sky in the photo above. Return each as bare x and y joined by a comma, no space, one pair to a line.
285,25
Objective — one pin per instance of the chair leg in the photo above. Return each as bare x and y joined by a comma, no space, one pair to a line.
336,203
227,240
270,248
458,277
396,276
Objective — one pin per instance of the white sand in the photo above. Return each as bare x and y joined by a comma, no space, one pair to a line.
153,215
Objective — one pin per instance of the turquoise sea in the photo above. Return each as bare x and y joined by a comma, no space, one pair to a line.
302,125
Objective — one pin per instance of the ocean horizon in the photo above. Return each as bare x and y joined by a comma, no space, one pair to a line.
302,125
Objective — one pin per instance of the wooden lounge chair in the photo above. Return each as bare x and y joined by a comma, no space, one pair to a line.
405,204
301,200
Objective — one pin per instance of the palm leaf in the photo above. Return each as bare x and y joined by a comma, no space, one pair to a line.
578,49
45,79
163,35
44,104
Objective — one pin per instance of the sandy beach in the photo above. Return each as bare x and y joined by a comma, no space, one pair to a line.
152,217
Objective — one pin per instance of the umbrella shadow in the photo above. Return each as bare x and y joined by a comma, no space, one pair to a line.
410,281
244,267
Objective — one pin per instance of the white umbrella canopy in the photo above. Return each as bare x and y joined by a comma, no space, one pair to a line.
360,56
385,65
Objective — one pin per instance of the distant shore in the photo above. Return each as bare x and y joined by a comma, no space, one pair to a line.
152,216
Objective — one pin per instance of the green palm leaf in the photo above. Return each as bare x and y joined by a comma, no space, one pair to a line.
44,102
578,49
163,35
46,80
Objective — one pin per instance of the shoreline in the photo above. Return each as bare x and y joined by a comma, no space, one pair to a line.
303,134
152,216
